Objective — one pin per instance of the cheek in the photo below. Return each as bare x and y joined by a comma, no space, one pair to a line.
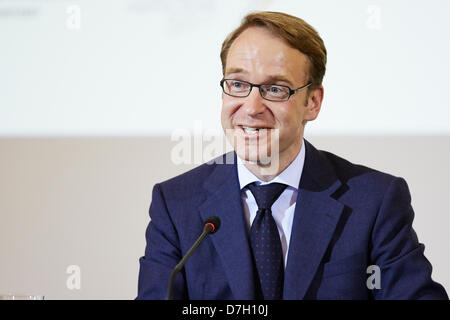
229,108
290,117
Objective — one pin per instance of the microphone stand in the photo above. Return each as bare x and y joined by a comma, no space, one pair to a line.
206,230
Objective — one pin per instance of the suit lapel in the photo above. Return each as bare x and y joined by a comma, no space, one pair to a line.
315,219
231,241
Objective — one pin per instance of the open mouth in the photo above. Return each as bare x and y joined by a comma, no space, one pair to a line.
252,130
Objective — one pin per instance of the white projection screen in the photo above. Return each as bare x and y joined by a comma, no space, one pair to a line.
92,91
123,67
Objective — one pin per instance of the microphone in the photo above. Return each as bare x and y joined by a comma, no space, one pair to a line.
211,225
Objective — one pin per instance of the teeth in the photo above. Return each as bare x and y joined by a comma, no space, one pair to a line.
250,130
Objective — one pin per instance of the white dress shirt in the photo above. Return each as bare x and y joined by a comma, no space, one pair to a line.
284,207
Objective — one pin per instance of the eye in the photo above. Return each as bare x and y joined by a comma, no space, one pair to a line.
277,91
236,84
274,90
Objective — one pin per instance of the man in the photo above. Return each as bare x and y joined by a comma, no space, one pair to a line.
296,223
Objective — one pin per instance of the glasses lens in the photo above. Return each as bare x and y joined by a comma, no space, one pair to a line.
236,88
275,93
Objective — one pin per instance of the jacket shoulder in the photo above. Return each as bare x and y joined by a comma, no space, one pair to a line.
349,172
190,182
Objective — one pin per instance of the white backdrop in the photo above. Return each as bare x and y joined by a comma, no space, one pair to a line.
124,67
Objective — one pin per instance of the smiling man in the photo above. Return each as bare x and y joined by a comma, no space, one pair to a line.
296,222
255,55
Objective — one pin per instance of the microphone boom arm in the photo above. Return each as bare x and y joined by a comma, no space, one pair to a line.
180,265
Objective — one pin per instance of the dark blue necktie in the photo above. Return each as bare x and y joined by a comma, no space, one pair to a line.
265,241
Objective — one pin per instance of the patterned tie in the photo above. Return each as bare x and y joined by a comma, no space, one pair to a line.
265,241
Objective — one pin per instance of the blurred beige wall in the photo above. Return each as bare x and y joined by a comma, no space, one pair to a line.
84,202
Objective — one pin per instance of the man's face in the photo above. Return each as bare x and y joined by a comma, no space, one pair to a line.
259,57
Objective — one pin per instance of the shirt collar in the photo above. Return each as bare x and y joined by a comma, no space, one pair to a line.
289,176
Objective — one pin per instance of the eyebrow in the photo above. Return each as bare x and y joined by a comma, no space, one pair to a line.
235,70
275,78
270,79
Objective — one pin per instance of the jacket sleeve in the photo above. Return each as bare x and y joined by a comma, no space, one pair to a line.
404,270
162,253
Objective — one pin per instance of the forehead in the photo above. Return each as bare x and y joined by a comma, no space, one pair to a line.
260,54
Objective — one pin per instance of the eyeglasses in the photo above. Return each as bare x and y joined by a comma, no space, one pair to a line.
271,92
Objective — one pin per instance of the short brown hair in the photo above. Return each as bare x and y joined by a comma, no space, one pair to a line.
295,31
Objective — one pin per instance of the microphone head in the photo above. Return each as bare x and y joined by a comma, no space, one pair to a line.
213,224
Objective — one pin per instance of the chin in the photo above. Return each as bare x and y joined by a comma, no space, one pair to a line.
254,154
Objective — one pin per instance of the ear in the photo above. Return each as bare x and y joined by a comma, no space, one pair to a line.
314,103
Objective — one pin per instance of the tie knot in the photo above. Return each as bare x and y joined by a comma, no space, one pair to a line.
266,195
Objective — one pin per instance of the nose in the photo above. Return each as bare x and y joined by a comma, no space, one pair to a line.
254,104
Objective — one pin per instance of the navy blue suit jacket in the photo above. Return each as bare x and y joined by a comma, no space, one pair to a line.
347,217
